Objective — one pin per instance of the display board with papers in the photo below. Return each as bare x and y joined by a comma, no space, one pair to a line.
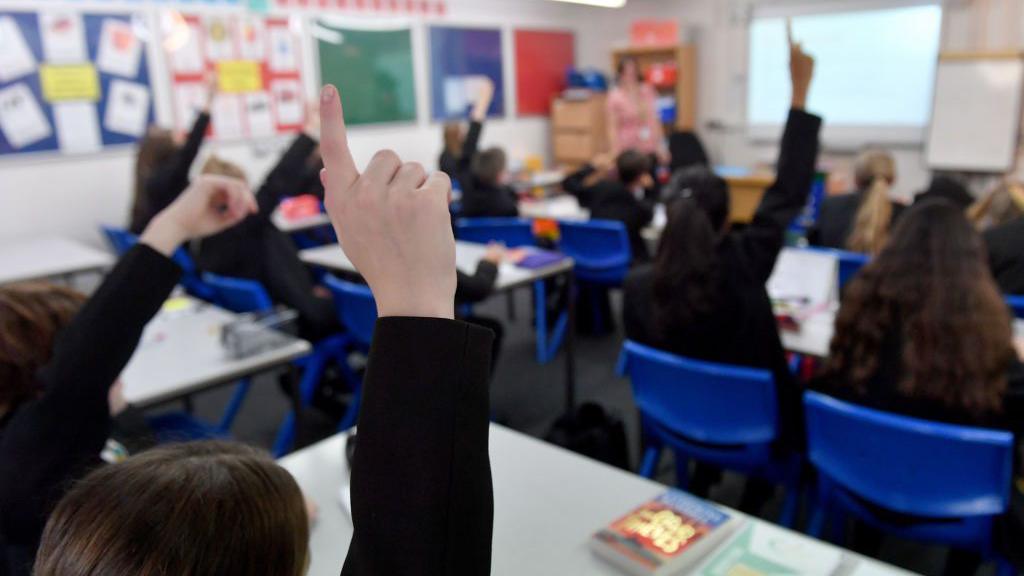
71,82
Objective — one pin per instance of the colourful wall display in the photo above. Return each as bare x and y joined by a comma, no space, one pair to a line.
71,82
542,59
372,69
459,59
258,67
414,7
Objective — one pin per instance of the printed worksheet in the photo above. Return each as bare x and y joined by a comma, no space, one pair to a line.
63,38
119,50
259,114
219,44
78,127
21,118
187,56
226,116
16,60
284,52
288,102
252,39
127,108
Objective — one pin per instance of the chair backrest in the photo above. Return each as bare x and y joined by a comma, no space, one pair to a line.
597,245
909,465
357,309
513,232
850,263
120,239
238,295
703,401
1016,304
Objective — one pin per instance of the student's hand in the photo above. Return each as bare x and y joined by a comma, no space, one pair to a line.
210,80
603,162
801,70
391,220
209,205
312,125
483,100
1018,343
495,253
115,398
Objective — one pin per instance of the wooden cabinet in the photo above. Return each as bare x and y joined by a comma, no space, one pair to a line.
578,129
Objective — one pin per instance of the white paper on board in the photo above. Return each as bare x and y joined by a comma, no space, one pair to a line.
78,127
63,37
16,58
252,39
120,50
188,58
189,99
219,42
21,118
127,108
283,50
226,116
288,103
259,113
460,92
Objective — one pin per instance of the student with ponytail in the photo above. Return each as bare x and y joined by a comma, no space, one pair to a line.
1001,216
860,221
704,296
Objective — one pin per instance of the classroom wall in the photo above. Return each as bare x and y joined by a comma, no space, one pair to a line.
719,28
70,196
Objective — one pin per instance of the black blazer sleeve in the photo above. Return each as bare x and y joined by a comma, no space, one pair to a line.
574,184
472,289
287,176
422,501
52,440
469,147
166,183
782,202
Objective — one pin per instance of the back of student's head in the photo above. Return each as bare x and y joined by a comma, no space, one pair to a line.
453,138
32,315
686,268
874,172
631,166
1001,206
931,286
197,509
220,167
947,187
155,149
489,165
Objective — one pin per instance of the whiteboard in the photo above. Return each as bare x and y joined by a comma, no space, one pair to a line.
976,115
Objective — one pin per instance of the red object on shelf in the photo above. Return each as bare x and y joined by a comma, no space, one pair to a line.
542,60
300,207
663,74
654,33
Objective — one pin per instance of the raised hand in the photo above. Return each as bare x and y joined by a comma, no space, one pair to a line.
211,204
391,220
801,69
483,100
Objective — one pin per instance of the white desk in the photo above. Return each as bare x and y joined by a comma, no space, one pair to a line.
562,207
39,258
180,353
467,256
291,226
547,503
543,179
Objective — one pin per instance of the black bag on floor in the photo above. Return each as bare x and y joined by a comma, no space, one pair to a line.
592,432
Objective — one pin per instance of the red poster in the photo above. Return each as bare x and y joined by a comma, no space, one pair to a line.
542,60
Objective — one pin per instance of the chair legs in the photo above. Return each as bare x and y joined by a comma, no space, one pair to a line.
650,462
234,405
790,507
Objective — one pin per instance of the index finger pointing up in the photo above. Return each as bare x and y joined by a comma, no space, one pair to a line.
789,31
341,168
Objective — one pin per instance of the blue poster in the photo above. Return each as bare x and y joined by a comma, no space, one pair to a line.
458,58
71,82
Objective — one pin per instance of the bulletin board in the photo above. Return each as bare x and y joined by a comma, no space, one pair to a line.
459,57
71,82
258,68
372,68
542,59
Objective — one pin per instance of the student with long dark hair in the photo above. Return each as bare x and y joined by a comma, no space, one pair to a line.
704,296
421,492
923,331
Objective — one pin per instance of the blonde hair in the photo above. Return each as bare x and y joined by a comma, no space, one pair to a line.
874,171
220,167
1000,206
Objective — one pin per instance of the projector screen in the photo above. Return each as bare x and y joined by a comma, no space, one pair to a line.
875,71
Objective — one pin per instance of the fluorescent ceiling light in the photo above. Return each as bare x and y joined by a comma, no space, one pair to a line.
601,3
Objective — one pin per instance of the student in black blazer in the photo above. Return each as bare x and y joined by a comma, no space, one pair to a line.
1001,217
482,175
460,144
924,331
54,410
704,296
860,221
617,197
422,500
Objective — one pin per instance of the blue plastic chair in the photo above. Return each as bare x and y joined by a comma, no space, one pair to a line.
954,480
601,252
357,310
119,239
1016,304
723,415
513,232
850,263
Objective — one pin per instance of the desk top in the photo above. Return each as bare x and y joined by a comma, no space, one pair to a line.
547,503
289,226
467,256
33,259
561,207
180,353
543,179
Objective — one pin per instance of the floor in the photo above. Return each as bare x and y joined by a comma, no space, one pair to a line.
529,397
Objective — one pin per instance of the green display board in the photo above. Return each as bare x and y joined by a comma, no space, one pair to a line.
373,71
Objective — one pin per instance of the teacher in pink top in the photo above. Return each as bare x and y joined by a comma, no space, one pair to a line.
633,122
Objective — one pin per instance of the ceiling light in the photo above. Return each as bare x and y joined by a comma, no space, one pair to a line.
601,3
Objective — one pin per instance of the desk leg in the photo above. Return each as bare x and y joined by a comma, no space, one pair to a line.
570,345
541,304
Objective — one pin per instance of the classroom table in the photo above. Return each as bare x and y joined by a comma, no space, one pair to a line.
289,226
545,179
49,257
561,207
180,354
547,503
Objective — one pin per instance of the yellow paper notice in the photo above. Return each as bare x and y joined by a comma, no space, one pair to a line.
239,76
72,82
